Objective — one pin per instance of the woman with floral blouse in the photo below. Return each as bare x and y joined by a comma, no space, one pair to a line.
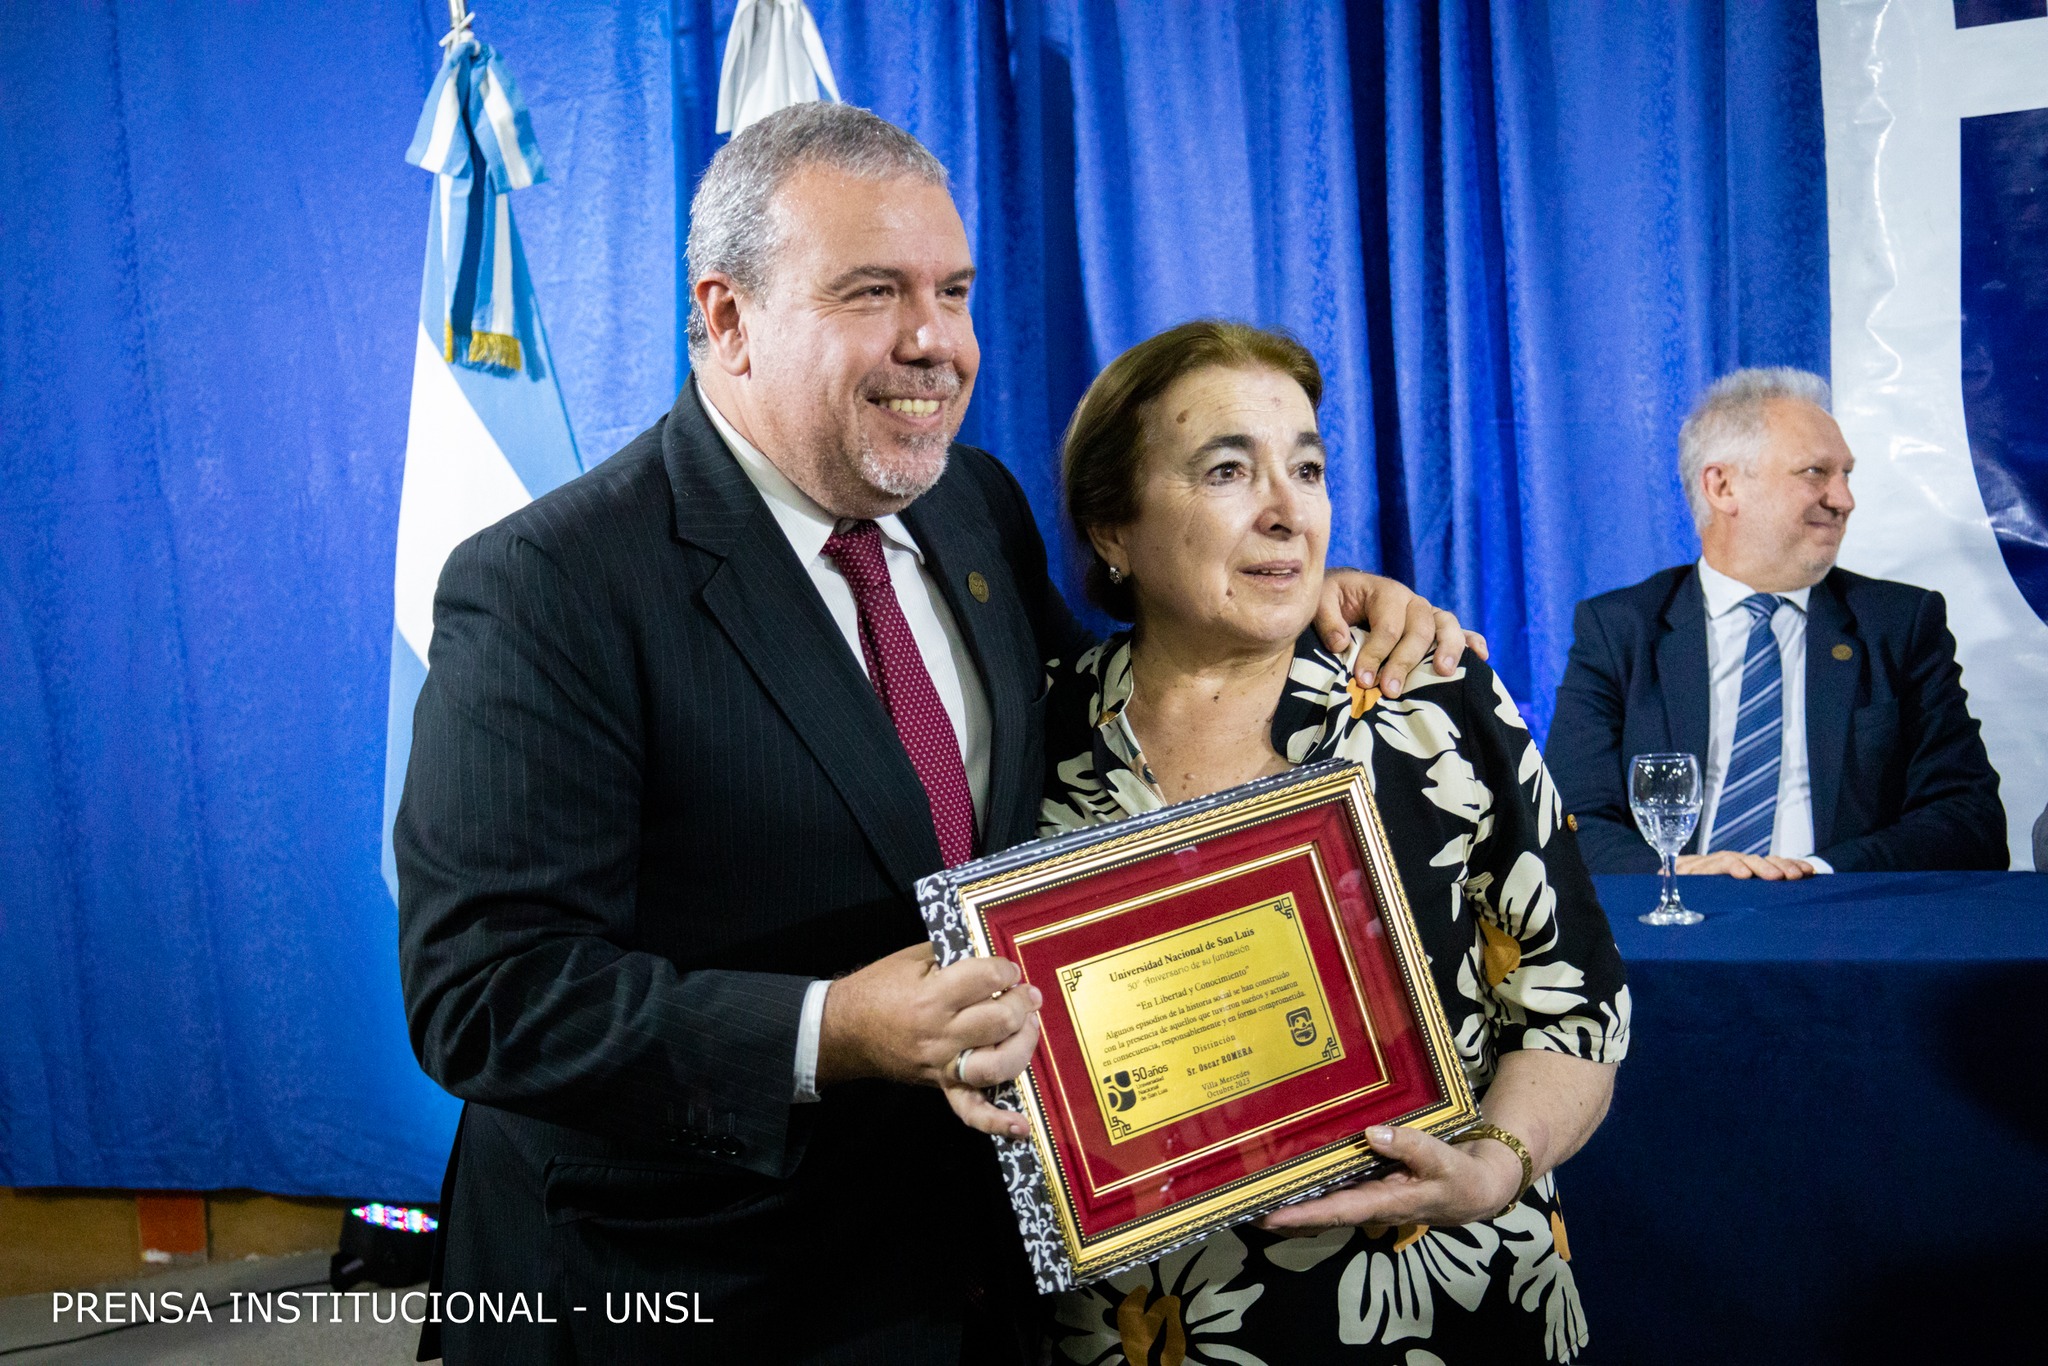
1194,468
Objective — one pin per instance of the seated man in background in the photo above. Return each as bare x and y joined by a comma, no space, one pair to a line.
1827,708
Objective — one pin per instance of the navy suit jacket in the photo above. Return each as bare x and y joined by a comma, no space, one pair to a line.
1899,775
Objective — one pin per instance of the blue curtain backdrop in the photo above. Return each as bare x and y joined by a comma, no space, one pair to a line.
210,255
1519,237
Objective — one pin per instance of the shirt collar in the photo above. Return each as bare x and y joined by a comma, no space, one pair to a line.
1117,756
807,525
1724,594
1115,678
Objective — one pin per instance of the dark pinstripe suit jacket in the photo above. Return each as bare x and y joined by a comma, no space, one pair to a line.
651,796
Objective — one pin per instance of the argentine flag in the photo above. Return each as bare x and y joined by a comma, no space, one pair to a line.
488,432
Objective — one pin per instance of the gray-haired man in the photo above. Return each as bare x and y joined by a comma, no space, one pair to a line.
1826,708
696,723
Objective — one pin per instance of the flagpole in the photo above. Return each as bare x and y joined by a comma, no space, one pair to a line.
459,19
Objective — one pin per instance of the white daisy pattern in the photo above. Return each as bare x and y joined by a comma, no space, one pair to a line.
1184,1308
1522,958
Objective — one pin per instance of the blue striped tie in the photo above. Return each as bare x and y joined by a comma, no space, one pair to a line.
1749,791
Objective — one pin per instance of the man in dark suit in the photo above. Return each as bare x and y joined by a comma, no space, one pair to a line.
695,725
1827,708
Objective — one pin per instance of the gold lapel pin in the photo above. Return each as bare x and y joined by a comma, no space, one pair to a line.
978,586
1842,652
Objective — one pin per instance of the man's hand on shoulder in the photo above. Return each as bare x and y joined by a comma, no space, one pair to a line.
906,1019
1731,864
1401,629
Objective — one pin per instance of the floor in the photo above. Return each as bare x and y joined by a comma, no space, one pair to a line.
27,1319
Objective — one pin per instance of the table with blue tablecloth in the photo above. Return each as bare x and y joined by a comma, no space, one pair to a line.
1828,1142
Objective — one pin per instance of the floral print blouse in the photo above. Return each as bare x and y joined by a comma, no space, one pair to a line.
1522,958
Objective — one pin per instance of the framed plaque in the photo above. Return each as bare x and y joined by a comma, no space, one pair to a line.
1234,991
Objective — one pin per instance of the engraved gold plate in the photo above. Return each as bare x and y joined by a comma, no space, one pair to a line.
1180,1023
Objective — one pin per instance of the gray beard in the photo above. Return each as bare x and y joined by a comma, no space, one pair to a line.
902,483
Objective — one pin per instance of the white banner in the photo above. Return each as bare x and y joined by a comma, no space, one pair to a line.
1899,80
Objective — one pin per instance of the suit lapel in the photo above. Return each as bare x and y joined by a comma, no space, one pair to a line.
1682,681
960,548
1830,689
770,610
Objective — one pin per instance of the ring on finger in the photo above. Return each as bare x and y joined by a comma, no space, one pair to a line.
960,1067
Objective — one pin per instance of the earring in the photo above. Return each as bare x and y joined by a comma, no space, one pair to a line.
1116,575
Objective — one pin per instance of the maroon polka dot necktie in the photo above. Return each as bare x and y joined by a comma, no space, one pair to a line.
898,673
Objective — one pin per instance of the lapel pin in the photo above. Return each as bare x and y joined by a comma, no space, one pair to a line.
1841,652
978,586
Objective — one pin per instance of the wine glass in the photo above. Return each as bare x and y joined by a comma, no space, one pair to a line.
1664,793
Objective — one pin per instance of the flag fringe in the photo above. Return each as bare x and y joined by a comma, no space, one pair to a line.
494,349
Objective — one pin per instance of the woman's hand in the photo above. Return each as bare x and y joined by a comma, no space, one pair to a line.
1401,628
1437,1183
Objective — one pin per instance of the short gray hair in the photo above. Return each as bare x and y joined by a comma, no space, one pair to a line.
1727,424
731,231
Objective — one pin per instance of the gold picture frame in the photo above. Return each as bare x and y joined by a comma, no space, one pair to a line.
1115,894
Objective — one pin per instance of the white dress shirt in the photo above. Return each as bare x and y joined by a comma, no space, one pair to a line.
932,626
1728,627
